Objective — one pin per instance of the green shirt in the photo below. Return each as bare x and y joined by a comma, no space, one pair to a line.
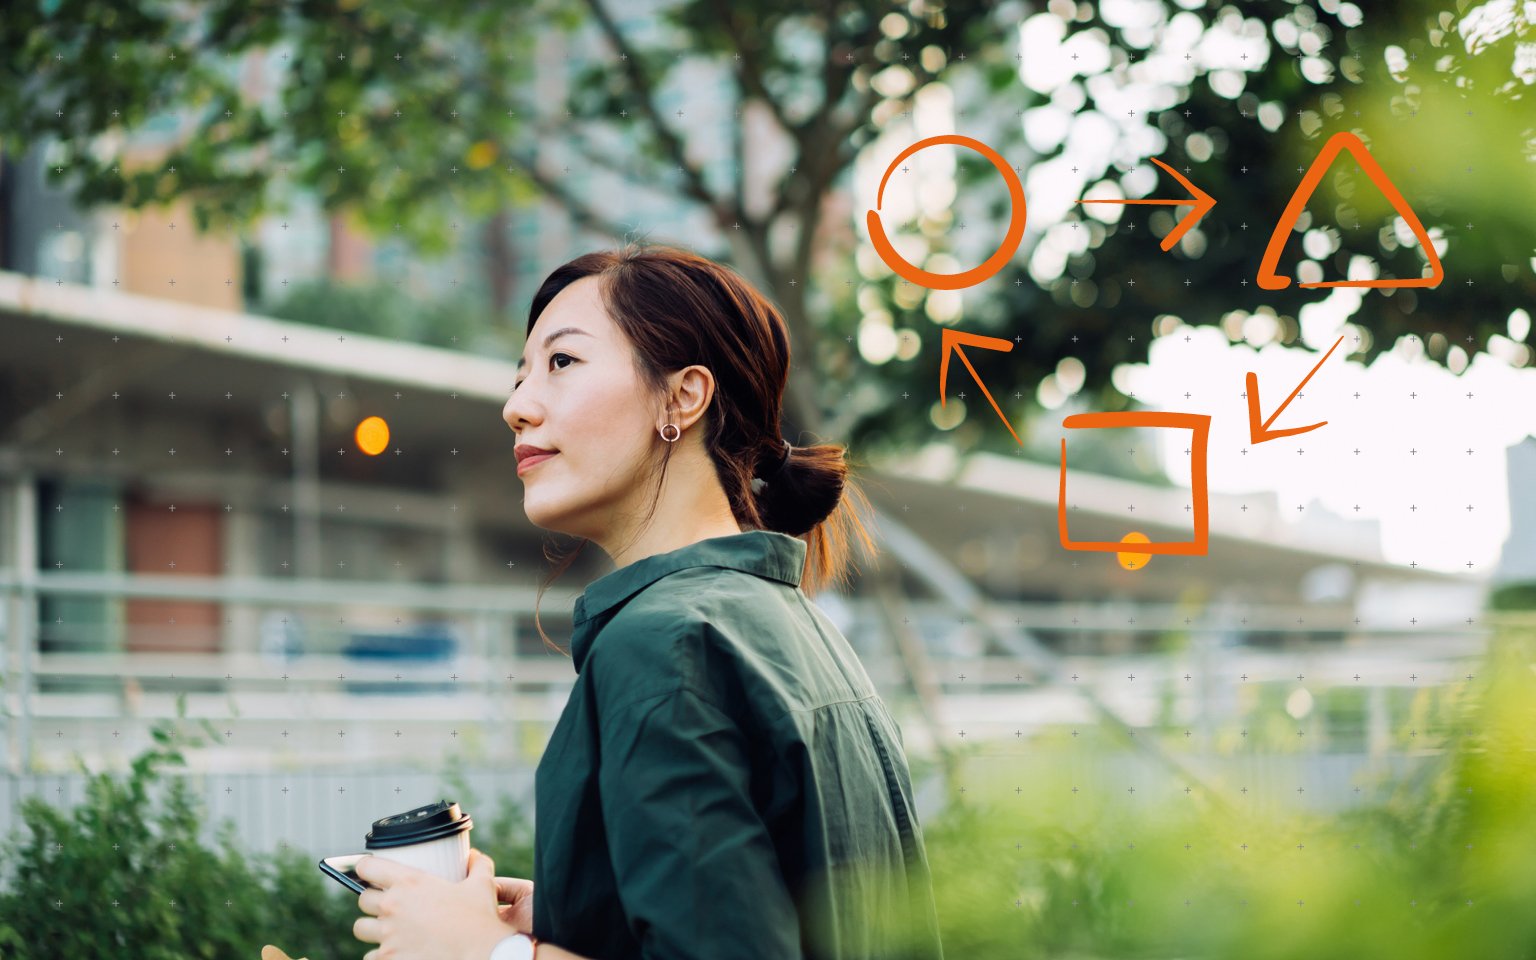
724,781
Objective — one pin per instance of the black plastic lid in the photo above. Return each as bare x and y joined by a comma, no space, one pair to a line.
431,822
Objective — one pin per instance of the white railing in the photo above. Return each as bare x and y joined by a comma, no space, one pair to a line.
499,691
320,812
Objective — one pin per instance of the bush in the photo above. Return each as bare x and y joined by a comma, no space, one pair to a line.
123,876
1444,867
454,323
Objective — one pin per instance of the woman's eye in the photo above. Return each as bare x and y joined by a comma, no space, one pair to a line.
551,360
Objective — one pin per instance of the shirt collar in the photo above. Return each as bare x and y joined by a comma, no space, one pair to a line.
765,553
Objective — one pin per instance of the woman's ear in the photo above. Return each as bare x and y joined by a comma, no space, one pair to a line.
692,391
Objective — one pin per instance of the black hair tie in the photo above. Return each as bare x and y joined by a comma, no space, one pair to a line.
768,477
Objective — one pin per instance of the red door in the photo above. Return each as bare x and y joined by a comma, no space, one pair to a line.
181,542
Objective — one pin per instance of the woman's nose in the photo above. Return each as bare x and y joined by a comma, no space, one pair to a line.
519,408
513,419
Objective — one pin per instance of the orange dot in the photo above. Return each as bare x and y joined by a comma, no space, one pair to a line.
372,436
1134,561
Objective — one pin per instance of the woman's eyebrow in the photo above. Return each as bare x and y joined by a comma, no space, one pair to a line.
553,337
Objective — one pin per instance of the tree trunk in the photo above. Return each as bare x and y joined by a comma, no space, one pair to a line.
802,411
500,264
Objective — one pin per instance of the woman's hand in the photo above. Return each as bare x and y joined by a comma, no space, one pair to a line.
416,915
514,899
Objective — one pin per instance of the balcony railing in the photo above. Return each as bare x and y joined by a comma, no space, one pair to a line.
487,687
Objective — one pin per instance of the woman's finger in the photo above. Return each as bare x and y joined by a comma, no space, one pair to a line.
367,929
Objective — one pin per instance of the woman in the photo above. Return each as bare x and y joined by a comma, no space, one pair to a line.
724,780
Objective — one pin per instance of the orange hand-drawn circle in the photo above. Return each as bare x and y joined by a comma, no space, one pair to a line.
968,278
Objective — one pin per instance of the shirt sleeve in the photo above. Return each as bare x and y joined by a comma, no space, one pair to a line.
697,872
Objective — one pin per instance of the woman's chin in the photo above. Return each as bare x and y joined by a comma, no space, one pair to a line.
540,514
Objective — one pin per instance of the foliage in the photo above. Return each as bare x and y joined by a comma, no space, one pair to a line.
398,111
380,310
1236,98
1445,866
472,135
125,874
1518,595
406,113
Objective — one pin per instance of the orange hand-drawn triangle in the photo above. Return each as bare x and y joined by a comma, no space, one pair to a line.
1345,141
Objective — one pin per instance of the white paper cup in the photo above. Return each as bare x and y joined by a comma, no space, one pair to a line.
447,857
434,838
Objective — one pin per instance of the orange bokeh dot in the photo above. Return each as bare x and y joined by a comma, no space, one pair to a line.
1134,561
372,436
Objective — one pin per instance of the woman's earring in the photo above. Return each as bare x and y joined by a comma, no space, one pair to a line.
671,439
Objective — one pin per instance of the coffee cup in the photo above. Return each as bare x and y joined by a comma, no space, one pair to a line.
434,838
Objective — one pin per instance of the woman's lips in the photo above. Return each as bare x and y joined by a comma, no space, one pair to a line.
528,462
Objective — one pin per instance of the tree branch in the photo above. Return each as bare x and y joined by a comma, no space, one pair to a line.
578,210
749,71
834,76
546,127
821,144
695,186
738,156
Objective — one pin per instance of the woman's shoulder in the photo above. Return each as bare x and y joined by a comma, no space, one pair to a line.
703,596
687,629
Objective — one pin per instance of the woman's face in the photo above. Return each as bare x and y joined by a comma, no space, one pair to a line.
580,396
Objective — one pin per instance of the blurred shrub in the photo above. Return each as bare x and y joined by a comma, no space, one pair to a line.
1520,595
506,836
124,876
381,310
1445,867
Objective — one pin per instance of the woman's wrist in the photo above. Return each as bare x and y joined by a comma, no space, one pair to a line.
504,933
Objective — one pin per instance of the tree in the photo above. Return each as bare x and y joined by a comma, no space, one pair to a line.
1238,101
394,113
409,114
823,101
392,109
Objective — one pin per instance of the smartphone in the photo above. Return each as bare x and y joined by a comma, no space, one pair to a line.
344,870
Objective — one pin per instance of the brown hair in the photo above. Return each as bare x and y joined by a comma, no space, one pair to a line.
677,308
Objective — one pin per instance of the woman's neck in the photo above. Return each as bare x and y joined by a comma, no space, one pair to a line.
692,507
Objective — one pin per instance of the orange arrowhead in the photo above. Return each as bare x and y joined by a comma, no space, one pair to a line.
1203,203
955,339
1260,432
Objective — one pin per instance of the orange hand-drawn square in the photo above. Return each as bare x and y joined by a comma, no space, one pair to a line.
1200,425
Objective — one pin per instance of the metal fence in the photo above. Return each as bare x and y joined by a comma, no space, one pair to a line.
355,687
315,740
321,813
317,812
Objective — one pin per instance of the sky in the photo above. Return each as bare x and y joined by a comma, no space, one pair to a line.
1413,424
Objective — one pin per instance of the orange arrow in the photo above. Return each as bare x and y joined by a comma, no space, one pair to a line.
1203,203
957,338
1259,432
